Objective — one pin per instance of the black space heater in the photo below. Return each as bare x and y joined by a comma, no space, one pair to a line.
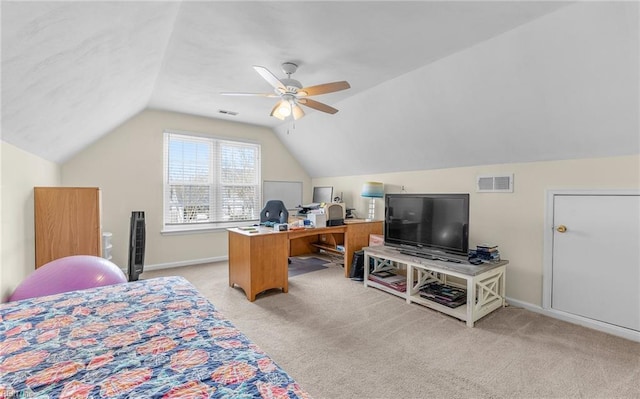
136,245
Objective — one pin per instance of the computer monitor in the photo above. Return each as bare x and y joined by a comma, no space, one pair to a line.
322,194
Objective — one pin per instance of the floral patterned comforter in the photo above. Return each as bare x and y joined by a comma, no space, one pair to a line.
151,338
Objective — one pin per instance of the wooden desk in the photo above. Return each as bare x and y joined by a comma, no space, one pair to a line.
258,260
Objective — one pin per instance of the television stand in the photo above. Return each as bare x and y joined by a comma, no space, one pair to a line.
484,284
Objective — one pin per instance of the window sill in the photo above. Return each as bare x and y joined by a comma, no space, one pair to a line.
203,228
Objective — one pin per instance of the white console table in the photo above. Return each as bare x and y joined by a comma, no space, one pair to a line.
485,283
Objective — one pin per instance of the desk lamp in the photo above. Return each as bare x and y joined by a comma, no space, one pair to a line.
372,190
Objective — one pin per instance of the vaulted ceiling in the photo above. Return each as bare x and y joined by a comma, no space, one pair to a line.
434,84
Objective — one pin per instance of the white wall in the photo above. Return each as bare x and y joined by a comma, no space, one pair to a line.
21,172
515,220
564,86
127,166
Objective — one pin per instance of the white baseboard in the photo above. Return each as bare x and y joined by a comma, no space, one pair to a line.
582,321
168,265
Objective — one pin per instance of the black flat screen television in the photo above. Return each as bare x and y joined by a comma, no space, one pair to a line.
427,223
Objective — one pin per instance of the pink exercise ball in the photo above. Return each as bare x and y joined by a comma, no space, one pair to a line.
71,273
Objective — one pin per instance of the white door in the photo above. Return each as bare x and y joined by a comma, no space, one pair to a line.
596,260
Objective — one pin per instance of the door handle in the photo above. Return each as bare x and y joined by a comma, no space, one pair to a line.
561,229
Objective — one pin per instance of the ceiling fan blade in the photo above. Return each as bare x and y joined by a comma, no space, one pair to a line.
270,78
317,105
297,112
323,88
226,93
275,113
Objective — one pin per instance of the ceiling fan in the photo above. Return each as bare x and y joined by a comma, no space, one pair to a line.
292,94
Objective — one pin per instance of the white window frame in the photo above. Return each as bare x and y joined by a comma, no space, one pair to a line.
215,185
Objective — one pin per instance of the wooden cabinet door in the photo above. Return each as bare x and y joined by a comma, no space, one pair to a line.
67,222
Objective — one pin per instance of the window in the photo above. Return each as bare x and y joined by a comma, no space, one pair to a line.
209,182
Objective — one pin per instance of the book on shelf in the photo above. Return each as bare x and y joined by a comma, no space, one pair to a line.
444,294
389,279
383,274
486,253
444,291
395,280
489,256
486,246
450,304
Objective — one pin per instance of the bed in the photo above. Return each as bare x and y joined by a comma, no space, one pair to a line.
157,338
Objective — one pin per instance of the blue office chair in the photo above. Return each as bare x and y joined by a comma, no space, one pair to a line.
274,212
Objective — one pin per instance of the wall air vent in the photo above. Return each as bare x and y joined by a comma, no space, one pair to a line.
494,184
225,112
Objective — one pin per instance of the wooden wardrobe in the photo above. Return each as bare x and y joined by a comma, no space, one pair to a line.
67,222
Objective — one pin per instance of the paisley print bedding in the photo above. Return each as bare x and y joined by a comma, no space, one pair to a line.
156,338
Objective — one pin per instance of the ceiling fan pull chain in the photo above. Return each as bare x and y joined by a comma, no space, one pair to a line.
292,125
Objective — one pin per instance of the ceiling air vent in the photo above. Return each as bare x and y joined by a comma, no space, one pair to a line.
232,113
494,184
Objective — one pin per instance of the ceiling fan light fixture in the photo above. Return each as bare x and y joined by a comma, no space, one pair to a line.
284,109
275,112
297,112
292,94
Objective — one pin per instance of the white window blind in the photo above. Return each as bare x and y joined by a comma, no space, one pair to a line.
209,180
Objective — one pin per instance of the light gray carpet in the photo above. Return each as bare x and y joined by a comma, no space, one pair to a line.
301,265
341,340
